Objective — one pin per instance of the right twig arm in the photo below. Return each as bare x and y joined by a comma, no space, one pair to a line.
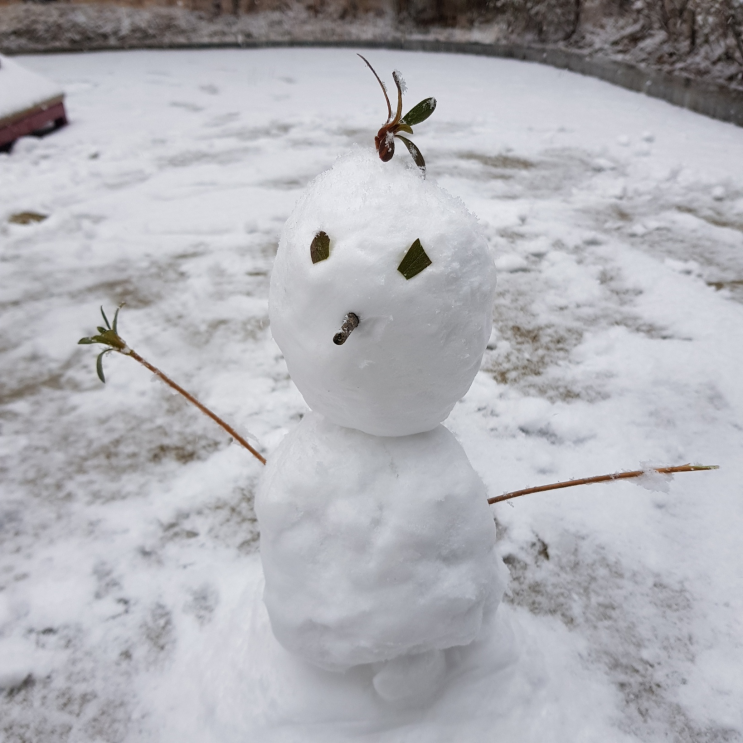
603,478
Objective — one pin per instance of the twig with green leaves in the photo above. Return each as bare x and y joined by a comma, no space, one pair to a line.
385,139
109,336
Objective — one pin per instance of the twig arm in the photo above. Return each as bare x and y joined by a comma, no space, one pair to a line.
109,337
602,478
231,431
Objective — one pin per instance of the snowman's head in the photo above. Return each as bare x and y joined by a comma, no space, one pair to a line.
376,242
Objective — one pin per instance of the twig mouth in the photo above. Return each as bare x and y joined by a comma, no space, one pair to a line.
350,324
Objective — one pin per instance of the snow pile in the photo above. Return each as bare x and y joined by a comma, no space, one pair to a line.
21,89
372,546
130,584
236,684
420,340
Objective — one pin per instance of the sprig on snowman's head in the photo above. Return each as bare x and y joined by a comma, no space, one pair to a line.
385,139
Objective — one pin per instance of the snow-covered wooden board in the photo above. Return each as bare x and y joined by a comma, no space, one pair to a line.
28,102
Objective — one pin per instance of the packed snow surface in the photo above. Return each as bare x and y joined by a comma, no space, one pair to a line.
130,585
374,547
420,340
22,89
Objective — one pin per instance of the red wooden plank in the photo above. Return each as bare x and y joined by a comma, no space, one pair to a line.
32,122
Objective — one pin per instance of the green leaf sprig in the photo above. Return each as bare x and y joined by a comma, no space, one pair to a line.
107,336
415,261
385,139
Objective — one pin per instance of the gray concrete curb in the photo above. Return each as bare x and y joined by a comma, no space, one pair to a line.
711,99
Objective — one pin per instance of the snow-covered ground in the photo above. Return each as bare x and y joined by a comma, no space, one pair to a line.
130,581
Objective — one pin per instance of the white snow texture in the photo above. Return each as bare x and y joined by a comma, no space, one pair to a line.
374,547
131,588
420,341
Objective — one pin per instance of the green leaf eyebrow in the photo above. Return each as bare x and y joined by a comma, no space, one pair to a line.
415,261
320,247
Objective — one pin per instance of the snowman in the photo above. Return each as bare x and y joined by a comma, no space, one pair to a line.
377,542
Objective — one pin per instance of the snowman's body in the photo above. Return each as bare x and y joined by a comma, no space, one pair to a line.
376,538
373,546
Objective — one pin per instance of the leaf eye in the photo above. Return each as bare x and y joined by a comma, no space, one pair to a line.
415,261
320,247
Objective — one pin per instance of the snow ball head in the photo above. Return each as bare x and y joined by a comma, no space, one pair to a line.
375,242
374,547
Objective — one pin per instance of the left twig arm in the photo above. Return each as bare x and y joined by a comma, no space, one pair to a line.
226,426
109,336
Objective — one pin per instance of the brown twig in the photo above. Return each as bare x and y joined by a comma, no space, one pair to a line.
231,431
381,85
603,478
350,324
109,337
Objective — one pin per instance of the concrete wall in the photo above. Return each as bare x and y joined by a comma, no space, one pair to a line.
688,52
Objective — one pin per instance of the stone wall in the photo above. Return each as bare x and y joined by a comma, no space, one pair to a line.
699,40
